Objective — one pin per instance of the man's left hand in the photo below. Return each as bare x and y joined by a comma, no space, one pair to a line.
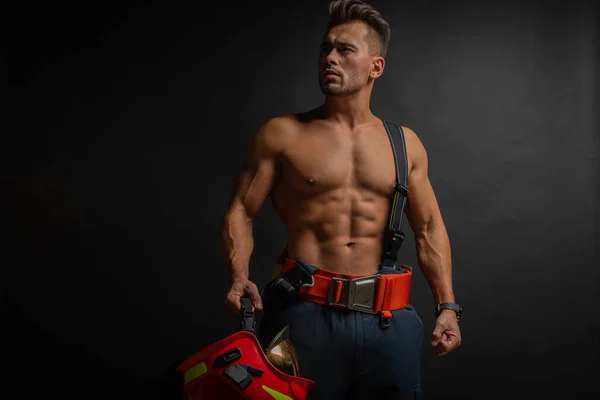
446,335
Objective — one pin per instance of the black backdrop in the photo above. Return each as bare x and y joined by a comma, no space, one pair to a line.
126,124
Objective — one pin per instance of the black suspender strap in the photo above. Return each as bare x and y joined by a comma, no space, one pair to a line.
394,236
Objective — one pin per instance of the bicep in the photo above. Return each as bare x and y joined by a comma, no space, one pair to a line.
422,209
254,185
258,175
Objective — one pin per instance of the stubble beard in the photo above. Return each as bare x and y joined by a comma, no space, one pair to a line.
331,90
338,89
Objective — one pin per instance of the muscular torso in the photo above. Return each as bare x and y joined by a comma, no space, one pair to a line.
334,189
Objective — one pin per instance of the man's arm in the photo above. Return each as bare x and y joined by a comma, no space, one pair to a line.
433,245
425,218
253,186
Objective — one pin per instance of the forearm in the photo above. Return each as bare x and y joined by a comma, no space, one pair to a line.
434,257
237,244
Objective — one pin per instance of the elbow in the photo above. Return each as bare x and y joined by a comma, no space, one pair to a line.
240,211
234,224
235,217
427,228
423,230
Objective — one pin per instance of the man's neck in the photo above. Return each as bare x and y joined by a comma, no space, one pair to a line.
351,111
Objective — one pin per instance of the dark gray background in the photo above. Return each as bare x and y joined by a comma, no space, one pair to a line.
128,122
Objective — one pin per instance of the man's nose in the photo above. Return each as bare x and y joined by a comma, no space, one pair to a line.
331,57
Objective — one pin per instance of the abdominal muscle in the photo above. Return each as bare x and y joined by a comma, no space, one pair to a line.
339,231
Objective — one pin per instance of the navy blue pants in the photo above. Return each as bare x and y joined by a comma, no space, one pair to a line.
348,354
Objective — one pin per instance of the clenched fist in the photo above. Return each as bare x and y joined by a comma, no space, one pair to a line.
446,335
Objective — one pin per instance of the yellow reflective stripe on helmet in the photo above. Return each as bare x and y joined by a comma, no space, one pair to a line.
276,395
194,372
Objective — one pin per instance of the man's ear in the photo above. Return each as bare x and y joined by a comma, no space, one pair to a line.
377,67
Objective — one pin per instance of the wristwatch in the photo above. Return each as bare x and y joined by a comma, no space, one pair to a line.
449,306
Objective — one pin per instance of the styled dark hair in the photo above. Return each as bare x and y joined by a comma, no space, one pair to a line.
343,11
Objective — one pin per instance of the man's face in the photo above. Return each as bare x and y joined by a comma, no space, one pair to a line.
344,59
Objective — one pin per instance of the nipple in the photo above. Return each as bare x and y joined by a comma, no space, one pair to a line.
311,180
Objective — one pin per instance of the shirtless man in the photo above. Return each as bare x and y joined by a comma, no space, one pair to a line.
330,174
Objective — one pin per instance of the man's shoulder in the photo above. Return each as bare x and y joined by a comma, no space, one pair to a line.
408,133
281,123
286,126
412,140
276,132
414,147
295,120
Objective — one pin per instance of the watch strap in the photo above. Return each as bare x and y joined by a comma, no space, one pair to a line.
449,306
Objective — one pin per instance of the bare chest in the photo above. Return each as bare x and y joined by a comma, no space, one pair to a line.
321,160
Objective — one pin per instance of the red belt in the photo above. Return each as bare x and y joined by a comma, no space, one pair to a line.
374,294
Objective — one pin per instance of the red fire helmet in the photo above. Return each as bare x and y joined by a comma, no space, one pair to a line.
237,368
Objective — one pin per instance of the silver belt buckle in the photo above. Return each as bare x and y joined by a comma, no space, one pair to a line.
357,294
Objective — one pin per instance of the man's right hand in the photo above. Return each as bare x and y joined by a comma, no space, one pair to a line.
242,288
